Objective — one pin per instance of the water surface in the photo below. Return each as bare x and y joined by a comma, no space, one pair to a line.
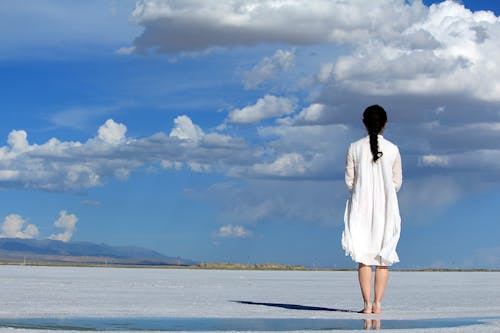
227,324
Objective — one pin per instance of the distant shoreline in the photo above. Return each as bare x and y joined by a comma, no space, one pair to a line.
230,266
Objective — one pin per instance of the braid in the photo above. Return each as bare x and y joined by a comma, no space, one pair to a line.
374,119
374,147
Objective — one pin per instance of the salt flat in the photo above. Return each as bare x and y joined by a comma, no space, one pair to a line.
49,292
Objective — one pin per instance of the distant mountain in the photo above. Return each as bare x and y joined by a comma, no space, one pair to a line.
47,250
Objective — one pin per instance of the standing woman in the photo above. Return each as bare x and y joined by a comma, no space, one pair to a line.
372,222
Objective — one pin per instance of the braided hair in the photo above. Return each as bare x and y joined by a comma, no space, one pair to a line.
374,119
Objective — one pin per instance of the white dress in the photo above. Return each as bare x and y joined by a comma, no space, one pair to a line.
372,220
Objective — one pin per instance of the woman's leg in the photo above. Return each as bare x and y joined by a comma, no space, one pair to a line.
381,277
365,282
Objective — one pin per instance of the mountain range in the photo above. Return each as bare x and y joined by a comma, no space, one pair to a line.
54,251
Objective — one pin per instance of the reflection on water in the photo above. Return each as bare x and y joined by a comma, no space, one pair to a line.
371,324
227,324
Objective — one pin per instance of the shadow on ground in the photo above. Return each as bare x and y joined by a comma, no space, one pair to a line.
296,306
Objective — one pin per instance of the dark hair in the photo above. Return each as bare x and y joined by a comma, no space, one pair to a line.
374,119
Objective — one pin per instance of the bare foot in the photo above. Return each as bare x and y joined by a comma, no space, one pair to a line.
377,308
367,309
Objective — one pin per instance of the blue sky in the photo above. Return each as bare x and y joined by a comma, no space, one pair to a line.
217,131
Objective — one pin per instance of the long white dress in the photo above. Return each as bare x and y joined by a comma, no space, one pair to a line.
372,221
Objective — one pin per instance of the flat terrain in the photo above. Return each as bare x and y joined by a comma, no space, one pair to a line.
86,292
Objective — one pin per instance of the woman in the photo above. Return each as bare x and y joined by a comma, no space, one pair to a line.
372,223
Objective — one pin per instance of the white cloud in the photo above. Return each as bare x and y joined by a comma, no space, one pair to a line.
268,68
286,165
66,165
185,130
112,132
307,152
18,141
220,140
441,49
186,26
434,160
432,65
171,165
12,227
230,231
267,107
310,141
314,114
68,223
199,167
446,51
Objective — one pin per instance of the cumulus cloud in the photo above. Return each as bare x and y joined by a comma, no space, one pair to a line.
268,68
444,48
430,67
323,148
112,132
286,165
232,231
441,50
68,223
186,26
12,227
54,165
66,165
165,164
314,114
185,130
18,141
267,107
444,51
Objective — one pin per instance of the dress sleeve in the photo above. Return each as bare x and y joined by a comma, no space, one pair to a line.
397,172
349,170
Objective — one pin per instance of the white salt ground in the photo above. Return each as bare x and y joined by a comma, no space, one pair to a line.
34,292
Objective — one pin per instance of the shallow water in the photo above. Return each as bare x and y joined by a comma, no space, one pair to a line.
228,324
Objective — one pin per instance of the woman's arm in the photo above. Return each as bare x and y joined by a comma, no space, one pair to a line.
349,170
397,172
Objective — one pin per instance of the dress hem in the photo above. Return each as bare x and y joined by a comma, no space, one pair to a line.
372,261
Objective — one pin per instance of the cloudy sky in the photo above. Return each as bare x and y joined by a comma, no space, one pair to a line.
217,130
